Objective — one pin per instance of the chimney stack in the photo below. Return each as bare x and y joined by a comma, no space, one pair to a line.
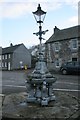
11,44
56,29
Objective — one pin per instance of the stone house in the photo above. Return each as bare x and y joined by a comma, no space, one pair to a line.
62,46
15,57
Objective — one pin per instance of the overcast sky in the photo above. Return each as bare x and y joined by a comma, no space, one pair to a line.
17,23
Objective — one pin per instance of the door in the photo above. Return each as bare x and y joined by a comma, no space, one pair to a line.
9,65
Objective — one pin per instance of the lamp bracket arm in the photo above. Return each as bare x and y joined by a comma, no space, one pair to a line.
43,32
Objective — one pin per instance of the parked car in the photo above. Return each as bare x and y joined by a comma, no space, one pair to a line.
70,67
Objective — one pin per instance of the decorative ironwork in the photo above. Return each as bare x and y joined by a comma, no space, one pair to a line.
39,82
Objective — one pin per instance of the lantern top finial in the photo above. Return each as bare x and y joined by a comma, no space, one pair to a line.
39,7
39,12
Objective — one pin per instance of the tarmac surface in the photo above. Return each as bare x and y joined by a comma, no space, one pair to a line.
65,107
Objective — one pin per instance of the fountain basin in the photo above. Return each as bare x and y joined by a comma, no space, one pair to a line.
40,81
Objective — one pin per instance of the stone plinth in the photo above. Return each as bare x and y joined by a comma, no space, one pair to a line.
65,106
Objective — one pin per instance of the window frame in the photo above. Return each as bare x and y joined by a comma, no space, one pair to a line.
2,64
5,64
57,61
56,45
9,55
74,42
3,57
6,56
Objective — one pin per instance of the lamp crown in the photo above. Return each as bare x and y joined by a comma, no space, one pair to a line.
39,7
39,14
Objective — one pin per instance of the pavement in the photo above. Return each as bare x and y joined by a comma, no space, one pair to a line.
65,107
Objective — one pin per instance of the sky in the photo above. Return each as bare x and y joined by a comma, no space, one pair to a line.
17,23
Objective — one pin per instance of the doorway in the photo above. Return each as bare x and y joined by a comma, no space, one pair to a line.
9,66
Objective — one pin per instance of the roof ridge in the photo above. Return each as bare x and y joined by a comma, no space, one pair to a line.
70,27
12,46
10,49
67,33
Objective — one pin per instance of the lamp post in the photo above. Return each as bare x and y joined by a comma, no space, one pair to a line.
39,16
39,83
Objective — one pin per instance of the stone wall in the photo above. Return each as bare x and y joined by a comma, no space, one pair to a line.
56,58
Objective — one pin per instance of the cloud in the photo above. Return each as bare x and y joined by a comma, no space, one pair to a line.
16,8
79,13
41,1
72,21
13,10
73,3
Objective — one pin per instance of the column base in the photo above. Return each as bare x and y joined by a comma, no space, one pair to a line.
31,99
52,98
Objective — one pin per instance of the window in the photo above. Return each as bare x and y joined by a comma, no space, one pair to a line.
5,56
74,44
2,64
74,59
5,64
9,56
57,46
57,64
9,66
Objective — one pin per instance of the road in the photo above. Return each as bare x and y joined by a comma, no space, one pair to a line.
14,82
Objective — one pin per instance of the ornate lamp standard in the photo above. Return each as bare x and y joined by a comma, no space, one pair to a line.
39,82
39,17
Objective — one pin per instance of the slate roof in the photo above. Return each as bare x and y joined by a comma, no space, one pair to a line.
10,49
64,34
